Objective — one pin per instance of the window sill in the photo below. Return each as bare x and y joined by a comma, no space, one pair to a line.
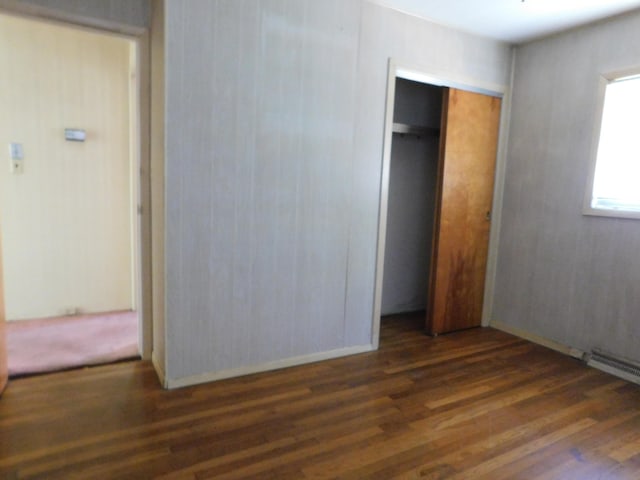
612,213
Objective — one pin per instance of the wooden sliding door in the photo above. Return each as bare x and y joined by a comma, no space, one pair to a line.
469,138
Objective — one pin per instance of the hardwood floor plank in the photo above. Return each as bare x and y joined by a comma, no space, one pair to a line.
458,396
586,454
625,452
293,455
473,404
484,468
489,438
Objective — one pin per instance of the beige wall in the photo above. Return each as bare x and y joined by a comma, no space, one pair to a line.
67,218
4,367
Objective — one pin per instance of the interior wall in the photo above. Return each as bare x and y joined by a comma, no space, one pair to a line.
411,207
274,126
563,276
259,141
4,363
133,13
157,181
67,217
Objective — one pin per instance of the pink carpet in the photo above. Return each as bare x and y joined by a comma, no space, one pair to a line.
51,344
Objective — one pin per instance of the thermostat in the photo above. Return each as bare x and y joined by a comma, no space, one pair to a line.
75,134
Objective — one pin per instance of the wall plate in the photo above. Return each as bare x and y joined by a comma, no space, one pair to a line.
75,135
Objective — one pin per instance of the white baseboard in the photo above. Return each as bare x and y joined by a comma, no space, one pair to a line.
157,365
532,337
264,367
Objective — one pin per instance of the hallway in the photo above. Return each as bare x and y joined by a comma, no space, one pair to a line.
53,344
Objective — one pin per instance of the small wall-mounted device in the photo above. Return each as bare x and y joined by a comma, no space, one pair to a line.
75,135
16,158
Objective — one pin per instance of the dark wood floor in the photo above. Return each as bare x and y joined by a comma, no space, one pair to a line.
469,405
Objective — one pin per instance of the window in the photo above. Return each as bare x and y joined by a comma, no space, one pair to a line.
615,180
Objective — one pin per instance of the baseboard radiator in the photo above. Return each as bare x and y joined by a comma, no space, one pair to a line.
615,366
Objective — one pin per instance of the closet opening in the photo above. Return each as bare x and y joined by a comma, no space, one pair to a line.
440,150
411,208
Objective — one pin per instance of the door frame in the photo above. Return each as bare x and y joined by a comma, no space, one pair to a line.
140,145
407,71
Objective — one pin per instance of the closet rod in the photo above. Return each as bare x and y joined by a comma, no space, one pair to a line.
416,130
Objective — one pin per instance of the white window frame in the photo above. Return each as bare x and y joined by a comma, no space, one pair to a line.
605,80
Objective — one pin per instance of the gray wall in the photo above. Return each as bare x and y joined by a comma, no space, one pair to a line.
135,13
412,185
434,49
275,118
157,108
260,117
567,277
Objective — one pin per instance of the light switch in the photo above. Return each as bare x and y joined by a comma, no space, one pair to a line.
15,151
16,157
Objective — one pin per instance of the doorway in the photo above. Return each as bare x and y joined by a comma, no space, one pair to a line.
70,191
437,195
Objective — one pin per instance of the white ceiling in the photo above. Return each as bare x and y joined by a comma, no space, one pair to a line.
513,21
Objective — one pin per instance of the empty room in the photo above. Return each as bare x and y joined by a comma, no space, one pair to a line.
377,239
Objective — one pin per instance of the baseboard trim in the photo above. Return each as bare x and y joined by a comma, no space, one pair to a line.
172,383
157,365
532,337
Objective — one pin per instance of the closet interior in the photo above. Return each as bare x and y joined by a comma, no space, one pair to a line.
411,196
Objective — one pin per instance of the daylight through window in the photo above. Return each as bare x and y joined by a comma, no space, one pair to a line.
616,183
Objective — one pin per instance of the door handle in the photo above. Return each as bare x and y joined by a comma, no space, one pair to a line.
488,215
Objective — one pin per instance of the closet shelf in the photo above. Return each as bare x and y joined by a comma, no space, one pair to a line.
418,131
